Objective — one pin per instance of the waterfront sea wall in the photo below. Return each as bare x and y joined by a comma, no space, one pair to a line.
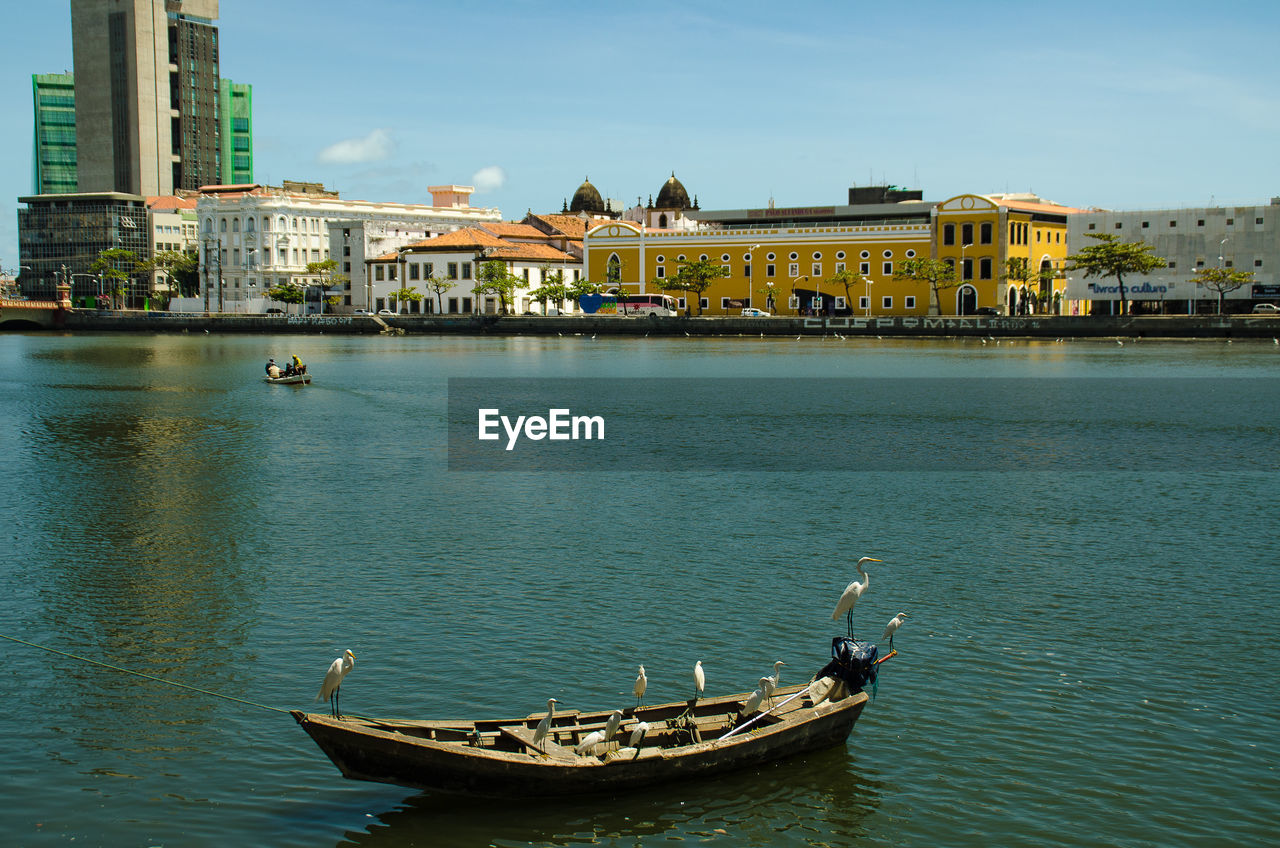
1049,326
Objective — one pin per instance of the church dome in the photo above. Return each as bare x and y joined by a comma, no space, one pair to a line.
587,199
673,195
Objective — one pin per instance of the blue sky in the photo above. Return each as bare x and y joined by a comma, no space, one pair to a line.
1120,105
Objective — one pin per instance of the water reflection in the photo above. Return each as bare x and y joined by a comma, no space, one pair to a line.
817,799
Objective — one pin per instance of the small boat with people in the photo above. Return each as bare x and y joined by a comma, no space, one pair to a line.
558,753
294,373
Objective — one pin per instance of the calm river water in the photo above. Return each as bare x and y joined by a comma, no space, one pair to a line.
1091,656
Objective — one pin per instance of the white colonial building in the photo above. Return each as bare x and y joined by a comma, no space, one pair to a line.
530,252
254,237
1246,238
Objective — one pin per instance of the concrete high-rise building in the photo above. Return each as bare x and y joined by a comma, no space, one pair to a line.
53,153
147,95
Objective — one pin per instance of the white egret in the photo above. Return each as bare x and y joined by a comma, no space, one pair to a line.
638,733
699,679
774,679
753,701
544,726
589,741
852,593
338,669
892,627
642,683
611,726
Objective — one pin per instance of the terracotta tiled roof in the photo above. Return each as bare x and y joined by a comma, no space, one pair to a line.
571,225
1032,206
532,252
467,238
512,230
386,257
168,201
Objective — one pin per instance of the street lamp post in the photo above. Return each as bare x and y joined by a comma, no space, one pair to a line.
963,268
867,296
793,287
751,269
208,268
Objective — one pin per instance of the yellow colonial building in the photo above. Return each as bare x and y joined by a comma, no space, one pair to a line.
785,260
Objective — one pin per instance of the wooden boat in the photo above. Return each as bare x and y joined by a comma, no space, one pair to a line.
500,758
291,380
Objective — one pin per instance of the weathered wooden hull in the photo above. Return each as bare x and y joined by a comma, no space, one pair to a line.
391,752
293,380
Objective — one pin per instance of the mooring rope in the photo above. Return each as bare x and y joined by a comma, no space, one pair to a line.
140,674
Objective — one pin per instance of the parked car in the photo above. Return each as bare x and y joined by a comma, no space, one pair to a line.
362,312
385,312
986,310
752,312
1266,309
275,311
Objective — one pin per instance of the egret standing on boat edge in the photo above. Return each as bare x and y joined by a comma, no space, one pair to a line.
338,669
852,593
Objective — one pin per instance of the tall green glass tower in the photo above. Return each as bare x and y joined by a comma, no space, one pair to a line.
235,132
53,155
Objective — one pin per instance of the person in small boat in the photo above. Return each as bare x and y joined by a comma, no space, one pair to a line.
273,370
298,367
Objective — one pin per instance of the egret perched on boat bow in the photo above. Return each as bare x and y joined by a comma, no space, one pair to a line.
852,593
338,669
699,679
544,726
642,683
892,627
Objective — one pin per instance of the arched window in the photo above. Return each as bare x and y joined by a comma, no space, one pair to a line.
284,223
662,221
208,225
235,225
222,226
266,223
248,225
613,271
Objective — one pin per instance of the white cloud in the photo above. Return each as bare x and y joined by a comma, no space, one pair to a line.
374,147
489,179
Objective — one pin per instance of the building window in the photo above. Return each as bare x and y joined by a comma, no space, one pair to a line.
909,301
839,267
724,257
453,270
911,254
1173,223
235,225
817,270
1118,226
453,304
378,273
414,271
1231,222
724,303
948,235
839,301
866,254
888,254
966,271
966,234
661,272
346,267
428,271
794,256
1257,263
793,270
1258,221
886,302
839,254
887,269
864,268
769,271
702,258
223,225
346,250
984,269
466,270
817,255
1200,222
1038,236
704,303
1230,263
771,257
1173,264
1146,224
1093,226
659,259
984,233
746,270
863,302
